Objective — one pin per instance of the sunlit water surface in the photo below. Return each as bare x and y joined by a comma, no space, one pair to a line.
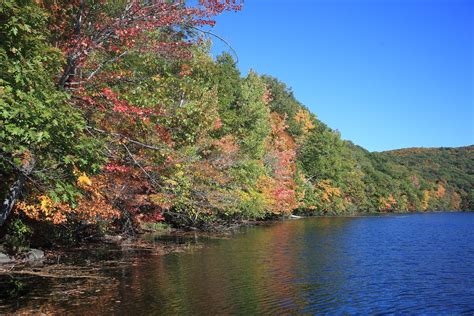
420,263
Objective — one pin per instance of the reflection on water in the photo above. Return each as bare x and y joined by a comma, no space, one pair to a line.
418,263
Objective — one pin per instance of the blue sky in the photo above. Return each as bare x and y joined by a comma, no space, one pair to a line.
386,73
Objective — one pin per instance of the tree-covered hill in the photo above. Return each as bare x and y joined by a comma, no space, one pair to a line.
453,166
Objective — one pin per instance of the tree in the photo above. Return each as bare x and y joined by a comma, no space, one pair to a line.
42,140
279,186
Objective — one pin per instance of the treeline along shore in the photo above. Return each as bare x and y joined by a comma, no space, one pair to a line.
114,116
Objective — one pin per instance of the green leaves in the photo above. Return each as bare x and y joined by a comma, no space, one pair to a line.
34,114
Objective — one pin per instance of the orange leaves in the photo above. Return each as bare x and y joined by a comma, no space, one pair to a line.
388,203
441,191
227,144
225,152
391,200
91,207
267,96
43,208
279,188
455,203
217,124
185,70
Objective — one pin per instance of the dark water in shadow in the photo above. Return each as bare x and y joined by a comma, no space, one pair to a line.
415,264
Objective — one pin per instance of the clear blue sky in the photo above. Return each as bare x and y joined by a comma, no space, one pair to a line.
386,73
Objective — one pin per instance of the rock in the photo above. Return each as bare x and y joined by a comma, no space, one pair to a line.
34,255
5,259
113,239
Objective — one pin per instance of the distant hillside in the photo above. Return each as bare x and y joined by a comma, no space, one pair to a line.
451,166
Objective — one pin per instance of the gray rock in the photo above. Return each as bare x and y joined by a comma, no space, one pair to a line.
34,255
5,259
113,239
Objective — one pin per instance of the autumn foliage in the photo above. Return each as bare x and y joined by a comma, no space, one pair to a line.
128,118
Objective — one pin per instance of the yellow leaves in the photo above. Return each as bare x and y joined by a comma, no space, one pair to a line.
327,197
328,190
179,173
165,201
45,204
426,199
83,180
44,208
303,117
266,186
92,206
171,182
244,196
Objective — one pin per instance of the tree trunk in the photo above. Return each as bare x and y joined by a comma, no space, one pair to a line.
71,65
15,189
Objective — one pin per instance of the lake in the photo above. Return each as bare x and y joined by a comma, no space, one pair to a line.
417,263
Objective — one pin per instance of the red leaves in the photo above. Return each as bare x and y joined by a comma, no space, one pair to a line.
217,124
281,157
267,96
122,106
134,20
97,41
214,7
156,216
116,168
164,135
108,93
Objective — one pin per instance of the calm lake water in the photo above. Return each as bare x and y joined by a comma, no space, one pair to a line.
415,264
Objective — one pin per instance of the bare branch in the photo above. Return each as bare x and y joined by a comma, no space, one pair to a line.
105,63
125,137
141,167
220,38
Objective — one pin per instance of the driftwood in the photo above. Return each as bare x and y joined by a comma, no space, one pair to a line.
49,275
28,164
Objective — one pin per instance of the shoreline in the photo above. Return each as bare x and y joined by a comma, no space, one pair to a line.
92,261
164,241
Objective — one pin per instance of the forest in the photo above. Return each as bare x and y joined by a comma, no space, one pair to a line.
115,114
